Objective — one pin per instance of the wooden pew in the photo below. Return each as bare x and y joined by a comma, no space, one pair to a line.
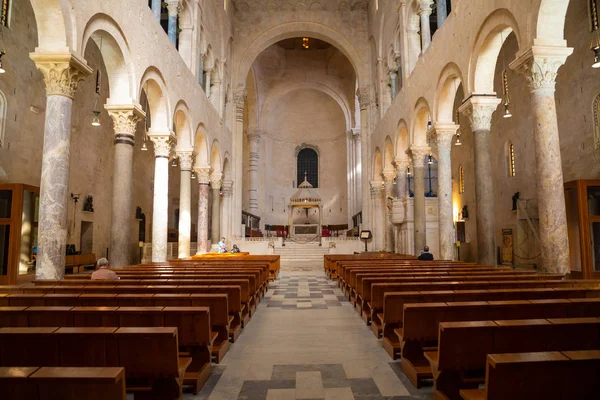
547,375
460,359
62,383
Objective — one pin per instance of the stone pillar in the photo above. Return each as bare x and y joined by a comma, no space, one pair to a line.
227,189
203,181
443,139
216,95
379,231
401,181
173,6
215,185
540,66
62,73
156,8
185,202
239,99
424,13
254,147
442,12
358,184
388,182
365,100
160,210
125,119
207,77
479,110
201,70
418,160
393,82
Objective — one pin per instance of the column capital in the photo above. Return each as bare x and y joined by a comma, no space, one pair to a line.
355,134
186,160
162,144
227,188
417,154
377,188
203,174
425,7
540,65
364,97
388,175
254,135
125,118
239,99
442,133
479,110
216,180
62,72
173,7
401,163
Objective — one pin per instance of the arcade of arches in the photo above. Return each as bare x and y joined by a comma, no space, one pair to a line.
151,129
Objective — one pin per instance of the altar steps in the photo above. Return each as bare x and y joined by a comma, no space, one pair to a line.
294,254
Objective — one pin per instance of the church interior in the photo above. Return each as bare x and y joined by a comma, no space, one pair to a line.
176,221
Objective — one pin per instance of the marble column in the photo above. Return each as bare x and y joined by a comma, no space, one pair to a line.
418,155
388,183
365,102
173,6
203,181
125,119
156,8
540,66
424,13
185,202
479,110
379,232
207,77
215,185
442,12
401,189
227,189
62,73
443,139
253,157
358,184
237,166
160,213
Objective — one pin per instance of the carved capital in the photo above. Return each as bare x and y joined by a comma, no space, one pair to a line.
355,134
425,7
162,144
443,134
62,72
239,99
227,188
216,180
418,154
364,97
173,7
540,65
388,176
186,160
125,118
401,164
254,136
377,188
203,175
479,110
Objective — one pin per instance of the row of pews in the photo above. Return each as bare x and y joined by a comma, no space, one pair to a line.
479,332
156,329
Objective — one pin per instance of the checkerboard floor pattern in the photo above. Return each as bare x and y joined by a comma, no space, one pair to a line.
303,292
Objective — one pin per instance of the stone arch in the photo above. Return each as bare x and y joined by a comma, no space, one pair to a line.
303,146
492,35
420,119
154,85
55,25
282,90
201,146
550,23
377,165
182,126
215,156
226,166
298,29
388,154
450,80
111,41
402,139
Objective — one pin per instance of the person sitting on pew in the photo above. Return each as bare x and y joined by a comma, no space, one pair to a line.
235,249
102,272
222,246
426,255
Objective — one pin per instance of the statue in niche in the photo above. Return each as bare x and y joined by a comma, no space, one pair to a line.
89,204
515,198
465,212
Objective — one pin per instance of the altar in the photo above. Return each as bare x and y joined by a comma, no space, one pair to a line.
306,198
306,230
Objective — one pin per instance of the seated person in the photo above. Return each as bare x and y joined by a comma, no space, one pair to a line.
222,246
102,272
426,255
235,249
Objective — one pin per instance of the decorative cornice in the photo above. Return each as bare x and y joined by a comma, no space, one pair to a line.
186,160
162,144
125,119
62,72
540,64
479,110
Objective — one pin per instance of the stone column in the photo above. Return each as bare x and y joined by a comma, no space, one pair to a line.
173,6
160,210
418,160
401,190
216,95
203,181
215,185
393,82
365,100
358,184
253,157
443,139
379,227
207,77
62,73
185,202
479,110
125,119
201,70
540,66
442,12
239,99
156,8
424,13
388,182
227,189
351,178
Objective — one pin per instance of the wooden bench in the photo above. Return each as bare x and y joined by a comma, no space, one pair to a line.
542,375
62,383
150,356
460,359
78,262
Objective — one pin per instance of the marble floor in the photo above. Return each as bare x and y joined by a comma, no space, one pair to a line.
307,342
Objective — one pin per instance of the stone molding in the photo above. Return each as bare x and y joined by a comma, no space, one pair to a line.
377,189
247,7
355,134
479,110
417,154
186,160
364,97
162,145
203,175
125,119
227,188
239,99
62,72
540,65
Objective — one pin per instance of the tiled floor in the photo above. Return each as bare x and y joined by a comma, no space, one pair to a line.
306,342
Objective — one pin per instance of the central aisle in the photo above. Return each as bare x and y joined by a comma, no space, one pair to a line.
306,342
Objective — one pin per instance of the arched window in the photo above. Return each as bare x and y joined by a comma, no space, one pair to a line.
308,162
3,106
5,13
461,179
510,159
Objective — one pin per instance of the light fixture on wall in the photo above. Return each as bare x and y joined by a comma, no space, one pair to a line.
193,174
505,95
595,47
430,159
408,170
305,44
429,124
144,147
146,120
2,70
174,162
458,142
96,112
